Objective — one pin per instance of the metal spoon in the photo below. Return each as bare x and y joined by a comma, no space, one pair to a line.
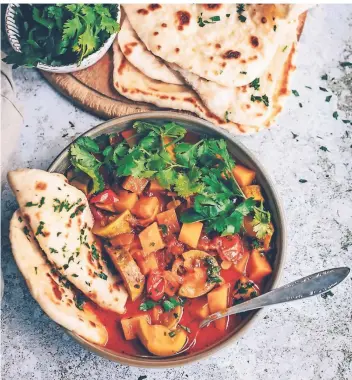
309,286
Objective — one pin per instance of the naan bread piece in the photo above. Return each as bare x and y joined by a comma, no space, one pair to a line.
60,217
134,85
142,59
254,103
57,300
217,42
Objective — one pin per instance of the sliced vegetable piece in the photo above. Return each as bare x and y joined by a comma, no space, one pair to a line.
122,240
150,239
243,175
218,301
129,270
125,201
172,318
244,290
155,285
253,191
156,314
172,282
248,226
170,148
258,266
107,197
159,340
242,264
173,204
129,325
119,226
267,238
190,233
169,219
201,312
146,207
130,136
134,184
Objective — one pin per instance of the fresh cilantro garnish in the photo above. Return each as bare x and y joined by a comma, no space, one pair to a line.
240,10
26,231
261,222
213,270
40,204
53,250
163,228
74,275
61,34
243,72
328,98
36,270
187,329
147,305
284,49
102,275
226,117
78,211
64,205
172,334
40,229
255,84
170,304
275,28
80,300
263,99
95,253
20,219
295,93
212,20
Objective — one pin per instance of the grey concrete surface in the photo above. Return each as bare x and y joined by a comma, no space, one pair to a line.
311,339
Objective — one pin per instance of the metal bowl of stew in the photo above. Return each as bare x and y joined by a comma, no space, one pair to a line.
241,154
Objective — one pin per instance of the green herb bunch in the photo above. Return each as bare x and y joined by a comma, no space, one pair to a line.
203,171
61,34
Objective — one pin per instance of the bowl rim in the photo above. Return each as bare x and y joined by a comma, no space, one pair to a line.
88,61
280,227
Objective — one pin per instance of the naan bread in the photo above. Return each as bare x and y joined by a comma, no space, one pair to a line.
237,103
219,51
56,300
61,220
142,59
134,85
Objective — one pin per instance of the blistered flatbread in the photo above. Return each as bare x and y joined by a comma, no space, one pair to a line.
254,103
61,220
58,299
142,59
135,85
217,42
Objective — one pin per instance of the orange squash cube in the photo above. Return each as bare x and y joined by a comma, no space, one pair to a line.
169,219
190,233
217,301
253,191
169,148
155,186
201,312
243,175
126,201
130,136
146,263
150,239
134,184
242,264
258,266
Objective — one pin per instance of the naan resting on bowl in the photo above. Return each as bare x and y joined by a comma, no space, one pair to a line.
217,42
58,299
61,220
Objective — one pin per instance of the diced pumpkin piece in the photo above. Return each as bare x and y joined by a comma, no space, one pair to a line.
146,263
242,263
258,266
130,136
170,148
119,226
243,175
159,340
169,219
150,239
129,270
122,240
156,313
146,207
253,191
248,226
155,186
267,238
201,312
129,325
217,301
134,184
126,201
190,233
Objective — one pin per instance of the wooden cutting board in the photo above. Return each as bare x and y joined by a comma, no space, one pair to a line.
92,88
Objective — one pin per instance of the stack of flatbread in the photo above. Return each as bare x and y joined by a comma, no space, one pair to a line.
59,256
228,63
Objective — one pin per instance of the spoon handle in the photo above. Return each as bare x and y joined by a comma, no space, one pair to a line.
309,286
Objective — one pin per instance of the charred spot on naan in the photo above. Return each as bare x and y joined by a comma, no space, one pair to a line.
212,7
254,41
183,19
40,186
218,46
164,25
155,33
231,54
154,7
128,48
142,11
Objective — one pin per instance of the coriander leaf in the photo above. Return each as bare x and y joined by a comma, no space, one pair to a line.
109,24
88,144
87,163
255,84
185,187
186,154
328,98
191,216
170,304
246,206
147,305
261,222
167,178
88,42
72,28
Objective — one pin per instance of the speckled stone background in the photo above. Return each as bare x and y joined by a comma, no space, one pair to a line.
310,339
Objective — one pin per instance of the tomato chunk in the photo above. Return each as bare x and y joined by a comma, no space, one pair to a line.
155,286
106,197
230,248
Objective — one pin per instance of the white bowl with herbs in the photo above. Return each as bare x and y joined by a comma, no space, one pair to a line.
60,38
